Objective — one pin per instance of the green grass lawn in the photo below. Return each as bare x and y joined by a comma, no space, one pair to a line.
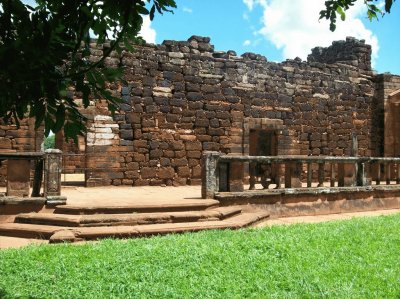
359,258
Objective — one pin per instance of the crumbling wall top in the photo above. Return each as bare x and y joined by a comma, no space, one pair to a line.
352,52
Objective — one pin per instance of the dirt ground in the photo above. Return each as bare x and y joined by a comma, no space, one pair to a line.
126,195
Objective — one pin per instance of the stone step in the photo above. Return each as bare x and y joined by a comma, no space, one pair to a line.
187,205
26,230
59,234
127,219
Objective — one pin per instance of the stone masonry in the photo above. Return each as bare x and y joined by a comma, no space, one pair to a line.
18,139
181,98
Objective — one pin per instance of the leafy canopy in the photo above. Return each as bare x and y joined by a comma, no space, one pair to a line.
334,7
44,51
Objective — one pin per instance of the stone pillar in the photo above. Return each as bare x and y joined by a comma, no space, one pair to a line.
293,175
321,174
236,173
52,177
223,177
361,179
37,178
347,171
18,177
209,174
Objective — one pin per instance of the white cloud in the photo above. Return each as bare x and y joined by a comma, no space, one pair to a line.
249,4
381,5
147,32
187,9
293,26
247,42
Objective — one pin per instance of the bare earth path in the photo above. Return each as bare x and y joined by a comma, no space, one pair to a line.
126,195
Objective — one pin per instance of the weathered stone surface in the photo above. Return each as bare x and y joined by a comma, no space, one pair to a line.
182,98
148,173
18,178
166,173
63,236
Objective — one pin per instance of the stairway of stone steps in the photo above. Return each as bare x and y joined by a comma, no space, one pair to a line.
71,223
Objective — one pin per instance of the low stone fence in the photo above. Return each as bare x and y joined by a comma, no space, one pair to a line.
295,174
302,185
47,172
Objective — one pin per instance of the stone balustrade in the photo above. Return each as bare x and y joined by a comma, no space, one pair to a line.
228,173
47,167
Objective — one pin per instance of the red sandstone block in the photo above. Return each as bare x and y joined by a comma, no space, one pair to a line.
148,172
194,146
140,143
5,143
141,182
177,145
20,133
203,138
180,154
184,172
193,154
24,140
139,157
132,165
188,137
127,182
180,162
180,182
166,173
116,182
196,172
169,154
200,131
104,165
132,174
193,162
156,182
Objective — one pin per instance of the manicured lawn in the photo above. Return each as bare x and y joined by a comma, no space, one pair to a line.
359,258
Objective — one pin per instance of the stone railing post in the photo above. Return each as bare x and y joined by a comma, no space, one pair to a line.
321,174
52,177
292,175
37,178
347,172
18,180
209,174
361,179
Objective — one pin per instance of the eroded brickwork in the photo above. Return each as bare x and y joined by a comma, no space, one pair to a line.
182,98
388,96
18,139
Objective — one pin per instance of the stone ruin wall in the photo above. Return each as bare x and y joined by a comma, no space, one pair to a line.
387,92
18,139
182,98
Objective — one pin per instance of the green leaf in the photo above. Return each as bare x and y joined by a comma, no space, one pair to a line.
152,11
388,5
46,49
142,10
85,95
60,118
371,15
38,111
341,12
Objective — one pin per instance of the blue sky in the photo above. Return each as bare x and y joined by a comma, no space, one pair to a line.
277,29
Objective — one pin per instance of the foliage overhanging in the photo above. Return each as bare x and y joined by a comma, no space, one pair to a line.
339,7
44,51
